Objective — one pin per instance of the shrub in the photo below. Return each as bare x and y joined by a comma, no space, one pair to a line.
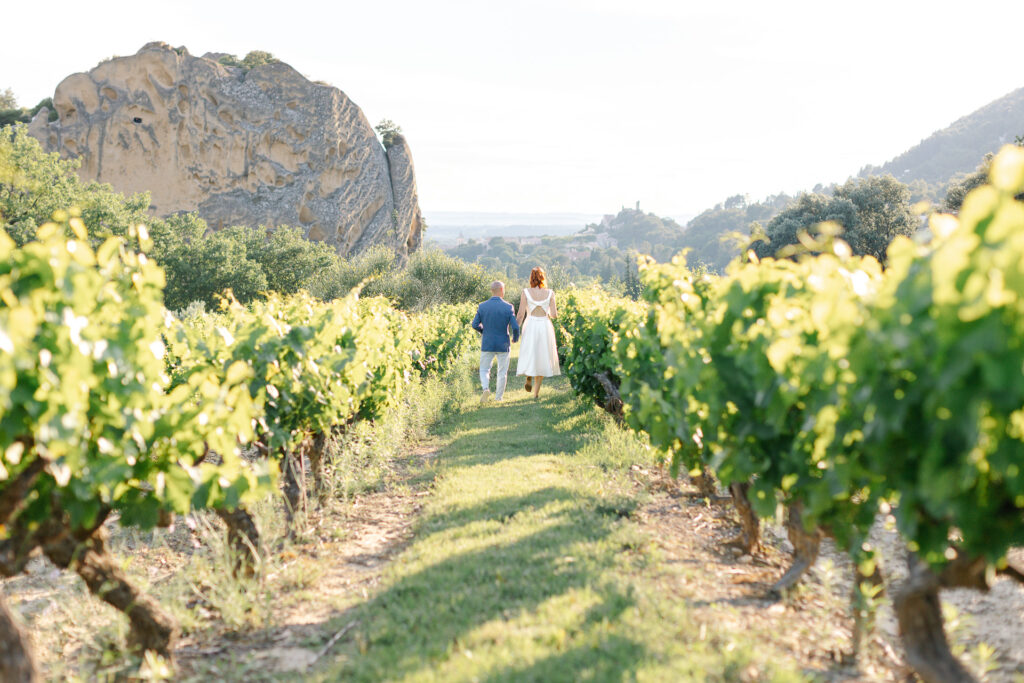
251,61
429,278
388,130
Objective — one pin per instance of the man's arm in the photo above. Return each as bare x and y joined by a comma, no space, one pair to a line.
514,326
477,324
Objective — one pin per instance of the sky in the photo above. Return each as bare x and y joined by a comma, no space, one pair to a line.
588,105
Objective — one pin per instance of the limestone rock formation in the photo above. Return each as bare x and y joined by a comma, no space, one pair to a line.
260,146
403,187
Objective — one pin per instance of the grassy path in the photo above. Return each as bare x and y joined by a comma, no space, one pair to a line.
525,565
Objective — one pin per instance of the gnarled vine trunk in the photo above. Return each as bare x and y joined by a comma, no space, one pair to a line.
12,495
293,485
612,399
243,539
705,482
317,456
15,552
749,538
151,627
806,545
919,612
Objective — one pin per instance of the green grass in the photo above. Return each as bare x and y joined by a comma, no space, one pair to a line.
526,566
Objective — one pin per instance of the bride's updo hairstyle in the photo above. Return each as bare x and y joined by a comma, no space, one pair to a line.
537,277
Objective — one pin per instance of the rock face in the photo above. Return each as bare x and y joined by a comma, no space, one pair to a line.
260,146
403,187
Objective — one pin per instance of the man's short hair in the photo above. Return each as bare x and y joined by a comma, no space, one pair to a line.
497,286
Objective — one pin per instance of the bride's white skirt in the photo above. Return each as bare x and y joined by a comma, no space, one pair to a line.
538,353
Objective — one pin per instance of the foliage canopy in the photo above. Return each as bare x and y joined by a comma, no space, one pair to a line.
871,211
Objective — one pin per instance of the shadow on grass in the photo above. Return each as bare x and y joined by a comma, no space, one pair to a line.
419,621
503,510
612,658
606,657
514,429
507,509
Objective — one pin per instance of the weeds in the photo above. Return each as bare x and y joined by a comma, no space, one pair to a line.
982,658
189,567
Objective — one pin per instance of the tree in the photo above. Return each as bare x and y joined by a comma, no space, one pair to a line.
633,286
883,207
808,211
206,267
607,270
714,234
11,113
872,212
287,259
737,201
44,183
707,235
960,185
923,191
200,265
388,130
247,261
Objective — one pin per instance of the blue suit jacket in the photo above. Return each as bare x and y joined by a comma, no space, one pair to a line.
494,317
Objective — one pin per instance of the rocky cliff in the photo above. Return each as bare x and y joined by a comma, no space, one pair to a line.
260,146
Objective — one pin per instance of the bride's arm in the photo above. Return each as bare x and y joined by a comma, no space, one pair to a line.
521,313
554,309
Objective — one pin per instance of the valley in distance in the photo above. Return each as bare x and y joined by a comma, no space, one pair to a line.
450,228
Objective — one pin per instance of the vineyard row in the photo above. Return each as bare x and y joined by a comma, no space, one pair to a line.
112,407
843,391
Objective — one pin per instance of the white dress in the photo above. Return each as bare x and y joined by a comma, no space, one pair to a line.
538,353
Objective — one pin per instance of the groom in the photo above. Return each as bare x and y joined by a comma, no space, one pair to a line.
493,318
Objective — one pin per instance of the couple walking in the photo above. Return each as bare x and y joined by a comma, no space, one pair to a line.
538,355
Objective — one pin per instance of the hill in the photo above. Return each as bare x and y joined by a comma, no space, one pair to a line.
929,169
959,147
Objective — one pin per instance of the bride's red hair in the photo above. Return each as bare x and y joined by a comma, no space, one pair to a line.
537,277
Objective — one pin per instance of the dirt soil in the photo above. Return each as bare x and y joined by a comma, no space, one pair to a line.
814,624
348,543
344,548
377,526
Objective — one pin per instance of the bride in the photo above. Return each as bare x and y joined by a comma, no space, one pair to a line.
538,355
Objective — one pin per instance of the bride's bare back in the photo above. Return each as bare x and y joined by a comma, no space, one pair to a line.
537,294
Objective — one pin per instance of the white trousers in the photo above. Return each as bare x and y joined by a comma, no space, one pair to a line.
486,358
